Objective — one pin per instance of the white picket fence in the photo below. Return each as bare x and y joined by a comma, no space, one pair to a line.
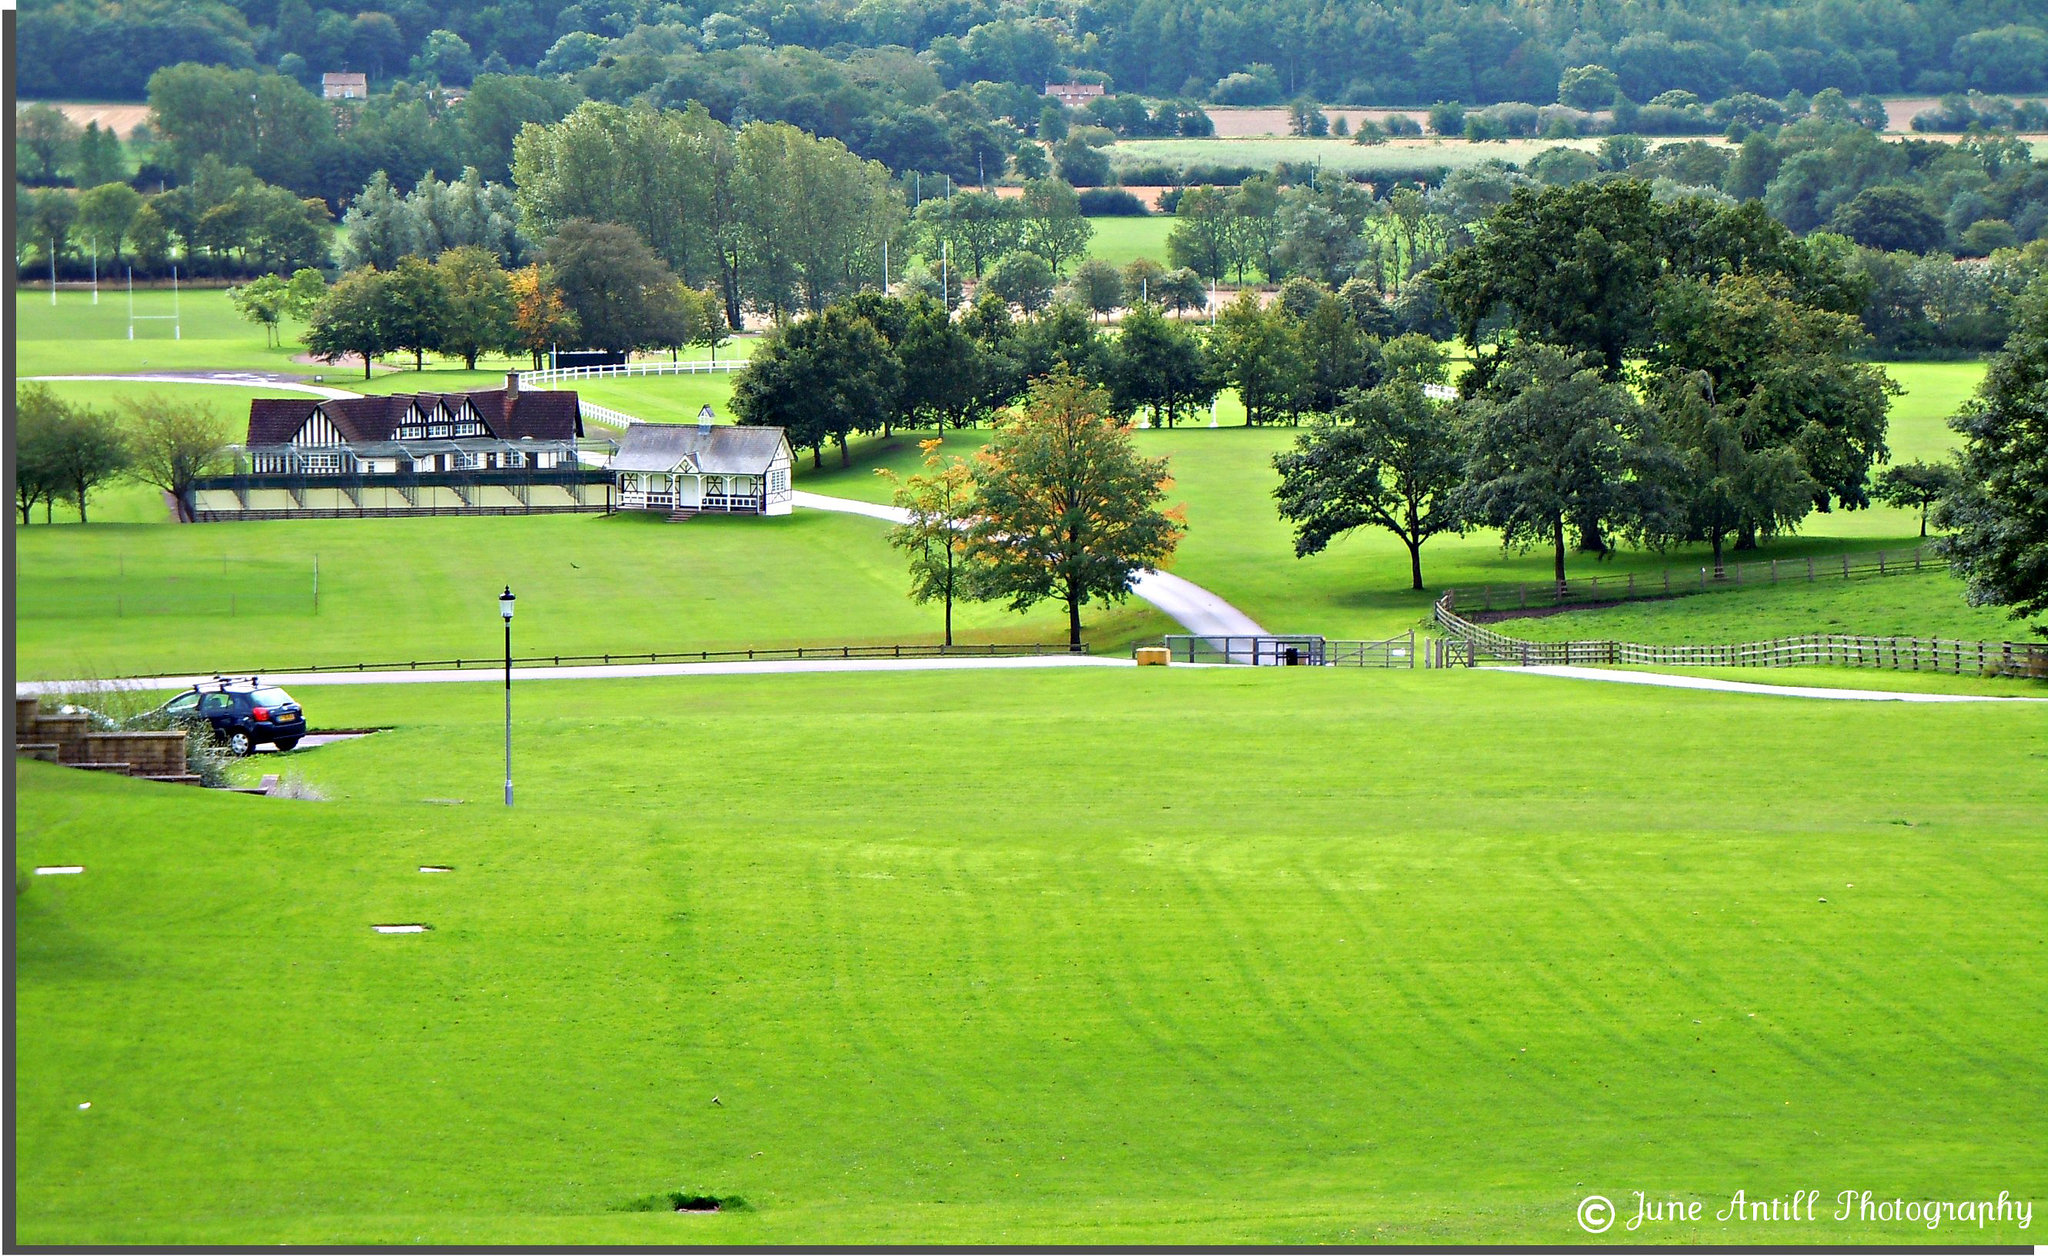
557,375
605,415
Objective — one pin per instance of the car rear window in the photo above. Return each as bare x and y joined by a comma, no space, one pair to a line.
271,697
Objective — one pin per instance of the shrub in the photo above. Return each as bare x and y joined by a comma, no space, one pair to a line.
1111,203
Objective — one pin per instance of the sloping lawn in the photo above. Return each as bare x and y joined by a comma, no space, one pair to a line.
1160,956
121,600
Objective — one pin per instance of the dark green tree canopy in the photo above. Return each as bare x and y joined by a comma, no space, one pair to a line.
1998,517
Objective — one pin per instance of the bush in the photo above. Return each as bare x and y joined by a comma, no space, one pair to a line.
1111,203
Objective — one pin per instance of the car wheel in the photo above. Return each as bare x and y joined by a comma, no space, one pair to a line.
239,743
286,743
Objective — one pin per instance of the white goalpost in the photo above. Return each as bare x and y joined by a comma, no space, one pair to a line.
177,327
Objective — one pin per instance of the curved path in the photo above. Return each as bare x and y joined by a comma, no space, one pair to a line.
1715,684
1194,607
234,379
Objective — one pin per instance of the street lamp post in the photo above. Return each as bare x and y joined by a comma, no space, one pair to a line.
505,601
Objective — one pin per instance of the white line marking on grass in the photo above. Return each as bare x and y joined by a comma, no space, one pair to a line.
1714,684
401,928
435,868
61,870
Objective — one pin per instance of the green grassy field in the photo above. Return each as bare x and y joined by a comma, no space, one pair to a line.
118,600
1121,241
1926,604
1104,956
76,337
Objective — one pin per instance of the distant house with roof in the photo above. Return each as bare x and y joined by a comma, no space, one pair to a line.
344,86
502,451
684,468
1073,95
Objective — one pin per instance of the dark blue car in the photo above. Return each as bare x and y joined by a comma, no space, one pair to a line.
244,713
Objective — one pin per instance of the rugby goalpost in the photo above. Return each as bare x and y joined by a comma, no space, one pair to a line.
177,326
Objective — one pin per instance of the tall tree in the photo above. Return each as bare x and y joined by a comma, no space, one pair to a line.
38,415
1917,486
86,449
820,378
1097,286
48,136
1258,351
417,308
1998,519
942,367
478,311
174,443
1022,279
1053,226
1200,238
1795,374
1393,458
1553,443
104,215
541,317
940,502
624,297
1067,508
1159,364
1572,266
970,229
354,318
1727,478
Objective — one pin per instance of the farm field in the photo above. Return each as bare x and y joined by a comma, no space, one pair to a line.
1928,603
1035,975
121,600
1121,241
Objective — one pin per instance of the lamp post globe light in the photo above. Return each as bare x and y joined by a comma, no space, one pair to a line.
505,601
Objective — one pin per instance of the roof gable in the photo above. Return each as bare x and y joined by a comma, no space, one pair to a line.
712,450
507,415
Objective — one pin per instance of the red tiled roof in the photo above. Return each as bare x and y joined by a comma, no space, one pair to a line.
508,416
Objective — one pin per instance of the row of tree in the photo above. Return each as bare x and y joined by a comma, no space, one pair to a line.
224,222
1257,53
65,451
594,285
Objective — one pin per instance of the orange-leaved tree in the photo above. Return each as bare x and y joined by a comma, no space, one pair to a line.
1065,506
940,503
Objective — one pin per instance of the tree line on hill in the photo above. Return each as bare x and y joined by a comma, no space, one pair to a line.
1896,215
1684,371
1267,51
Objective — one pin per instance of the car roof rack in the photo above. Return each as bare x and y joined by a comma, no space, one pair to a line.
220,683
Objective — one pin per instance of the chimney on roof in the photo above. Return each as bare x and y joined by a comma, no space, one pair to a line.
511,383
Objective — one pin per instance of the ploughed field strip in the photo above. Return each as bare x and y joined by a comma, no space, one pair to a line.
1103,955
